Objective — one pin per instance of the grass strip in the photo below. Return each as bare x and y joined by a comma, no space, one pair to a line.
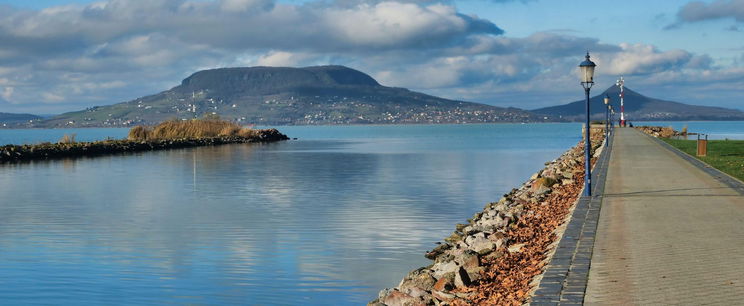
724,155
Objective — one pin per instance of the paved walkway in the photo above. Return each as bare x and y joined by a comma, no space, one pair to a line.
668,232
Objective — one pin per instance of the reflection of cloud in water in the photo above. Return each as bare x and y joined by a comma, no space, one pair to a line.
243,255
396,230
272,224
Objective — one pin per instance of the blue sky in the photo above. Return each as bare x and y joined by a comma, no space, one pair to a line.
62,55
634,21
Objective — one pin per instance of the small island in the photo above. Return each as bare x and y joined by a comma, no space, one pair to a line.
171,134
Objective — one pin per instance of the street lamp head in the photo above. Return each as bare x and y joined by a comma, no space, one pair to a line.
607,99
587,70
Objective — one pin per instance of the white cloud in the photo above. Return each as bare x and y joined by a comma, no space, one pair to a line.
282,59
393,23
382,25
644,59
239,6
52,97
719,9
74,56
158,42
8,93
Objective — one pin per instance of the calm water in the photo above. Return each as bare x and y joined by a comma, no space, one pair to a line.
714,129
34,136
331,218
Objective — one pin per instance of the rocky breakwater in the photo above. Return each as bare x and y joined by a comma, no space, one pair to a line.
663,132
10,153
496,258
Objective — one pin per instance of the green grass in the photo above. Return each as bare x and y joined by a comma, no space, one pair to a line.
724,155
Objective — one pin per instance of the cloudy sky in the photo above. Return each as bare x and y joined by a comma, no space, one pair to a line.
64,55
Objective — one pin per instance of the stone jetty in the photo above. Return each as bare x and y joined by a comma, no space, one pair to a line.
11,153
660,131
496,258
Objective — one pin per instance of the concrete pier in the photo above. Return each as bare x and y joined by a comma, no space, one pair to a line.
668,232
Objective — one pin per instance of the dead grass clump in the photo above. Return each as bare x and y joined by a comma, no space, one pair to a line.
247,133
139,133
230,130
67,139
180,129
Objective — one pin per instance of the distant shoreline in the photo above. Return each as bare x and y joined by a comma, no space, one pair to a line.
367,124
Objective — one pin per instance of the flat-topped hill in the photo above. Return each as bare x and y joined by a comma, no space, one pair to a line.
271,80
281,95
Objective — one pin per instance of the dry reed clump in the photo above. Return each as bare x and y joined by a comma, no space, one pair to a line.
229,130
67,139
180,129
248,132
139,133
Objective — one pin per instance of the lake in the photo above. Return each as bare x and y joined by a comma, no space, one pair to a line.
328,219
715,129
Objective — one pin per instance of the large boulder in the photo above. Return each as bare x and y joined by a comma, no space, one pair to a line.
420,278
480,243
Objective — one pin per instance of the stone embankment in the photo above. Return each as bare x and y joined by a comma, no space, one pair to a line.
660,131
11,153
496,258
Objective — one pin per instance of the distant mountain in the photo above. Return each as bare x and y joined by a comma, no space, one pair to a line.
272,95
17,118
637,108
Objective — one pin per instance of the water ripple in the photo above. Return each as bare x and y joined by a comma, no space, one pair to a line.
329,220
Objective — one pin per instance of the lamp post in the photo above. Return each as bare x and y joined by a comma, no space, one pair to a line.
587,80
607,115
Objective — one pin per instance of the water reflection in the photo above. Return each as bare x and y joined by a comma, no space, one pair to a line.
316,221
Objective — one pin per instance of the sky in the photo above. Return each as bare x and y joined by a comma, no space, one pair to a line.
64,55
